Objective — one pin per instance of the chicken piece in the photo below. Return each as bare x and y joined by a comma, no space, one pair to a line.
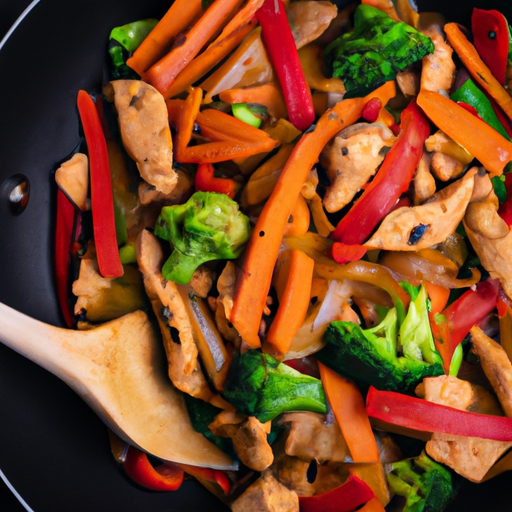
424,184
292,472
408,82
491,239
310,19
471,457
144,125
73,178
149,194
419,227
202,281
483,186
150,259
445,167
496,365
226,286
267,495
351,159
438,68
310,438
249,438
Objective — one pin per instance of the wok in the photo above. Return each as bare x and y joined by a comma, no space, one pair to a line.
54,451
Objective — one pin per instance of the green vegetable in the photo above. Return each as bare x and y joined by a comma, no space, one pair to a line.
124,40
426,485
469,93
261,386
387,356
251,113
209,226
376,50
498,184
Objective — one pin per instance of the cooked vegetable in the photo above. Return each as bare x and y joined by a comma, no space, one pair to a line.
259,385
426,485
205,181
387,356
375,51
209,226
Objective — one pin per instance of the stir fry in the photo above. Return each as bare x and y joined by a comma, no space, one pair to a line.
313,205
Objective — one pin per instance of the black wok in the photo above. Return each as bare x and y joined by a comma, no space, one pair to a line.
53,450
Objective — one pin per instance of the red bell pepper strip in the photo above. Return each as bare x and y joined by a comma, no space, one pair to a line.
452,325
64,236
423,416
206,182
490,36
213,475
344,498
371,110
505,209
392,179
344,253
102,201
165,477
280,45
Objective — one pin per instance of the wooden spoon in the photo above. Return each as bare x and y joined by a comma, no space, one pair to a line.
119,369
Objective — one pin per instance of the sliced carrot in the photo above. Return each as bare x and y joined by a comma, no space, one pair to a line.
207,60
438,296
269,95
374,505
473,134
477,68
186,122
294,304
161,74
375,477
253,282
180,16
300,218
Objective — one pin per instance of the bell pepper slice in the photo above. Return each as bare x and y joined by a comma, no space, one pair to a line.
102,200
278,40
212,475
344,498
344,253
392,180
165,477
452,325
64,236
491,39
420,415
205,181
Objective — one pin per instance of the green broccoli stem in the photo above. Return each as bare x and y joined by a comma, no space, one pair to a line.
180,267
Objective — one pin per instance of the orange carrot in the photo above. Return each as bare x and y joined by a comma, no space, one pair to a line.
186,123
207,60
477,68
161,74
438,296
181,15
294,304
255,275
374,505
373,475
348,407
269,95
299,220
473,134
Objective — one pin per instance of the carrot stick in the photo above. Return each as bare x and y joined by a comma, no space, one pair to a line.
473,134
438,296
178,18
161,74
477,67
207,60
374,505
373,475
269,95
186,123
294,304
254,278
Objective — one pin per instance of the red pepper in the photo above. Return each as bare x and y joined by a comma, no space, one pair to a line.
102,202
345,498
392,180
280,45
165,477
452,325
213,475
490,36
505,209
418,414
206,182
64,236
343,253
371,110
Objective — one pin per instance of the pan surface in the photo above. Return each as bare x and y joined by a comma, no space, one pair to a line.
53,450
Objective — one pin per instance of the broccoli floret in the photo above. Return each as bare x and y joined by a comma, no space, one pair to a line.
388,356
261,386
426,485
209,226
376,50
